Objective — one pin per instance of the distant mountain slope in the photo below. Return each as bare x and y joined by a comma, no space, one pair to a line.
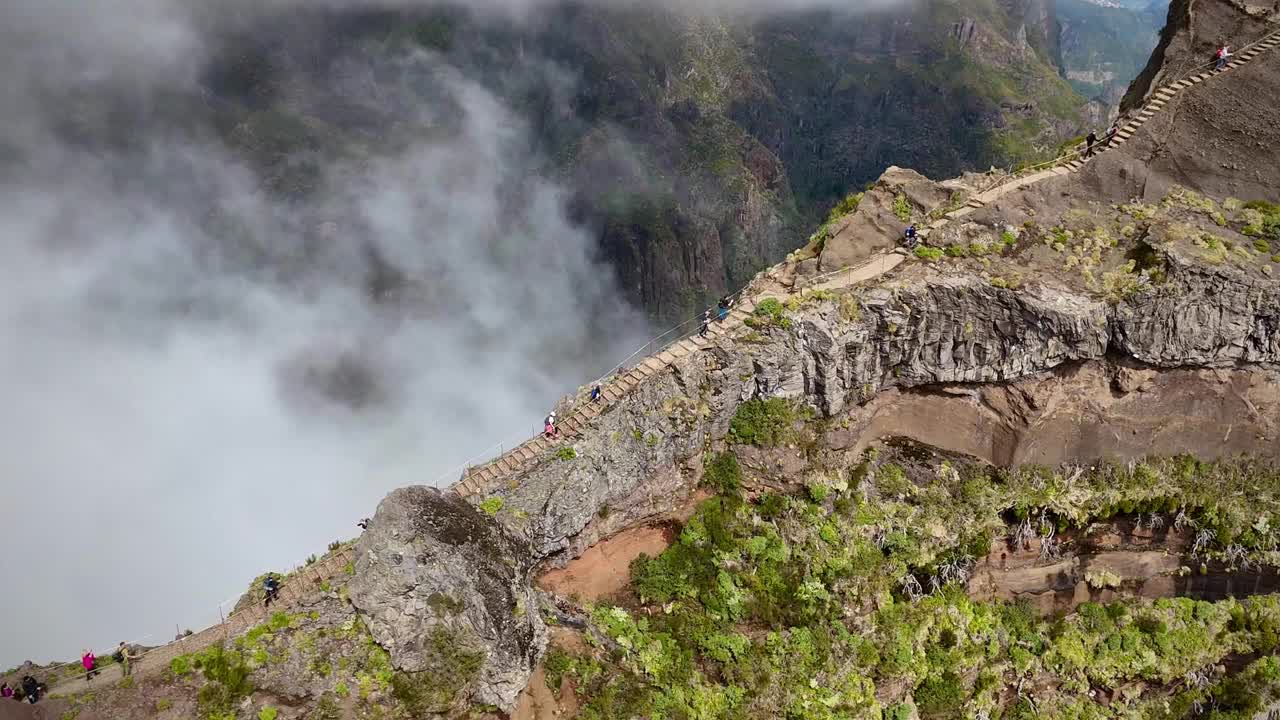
698,148
1104,46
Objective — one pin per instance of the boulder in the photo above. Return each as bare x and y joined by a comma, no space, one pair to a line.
447,593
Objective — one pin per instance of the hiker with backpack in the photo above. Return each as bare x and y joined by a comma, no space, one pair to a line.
706,324
910,236
122,656
6,692
549,427
1090,143
1220,57
271,586
30,689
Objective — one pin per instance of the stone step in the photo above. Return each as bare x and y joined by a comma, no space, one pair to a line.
666,358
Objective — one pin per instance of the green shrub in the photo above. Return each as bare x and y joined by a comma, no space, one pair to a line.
902,207
850,307
163,704
492,506
772,312
268,713
181,666
566,453
1262,246
929,253
723,473
763,422
226,673
940,696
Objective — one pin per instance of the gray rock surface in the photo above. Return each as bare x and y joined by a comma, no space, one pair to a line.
642,457
432,567
1210,316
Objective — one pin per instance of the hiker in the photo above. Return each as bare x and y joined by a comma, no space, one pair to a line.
596,394
30,689
271,586
910,236
1111,132
549,426
90,663
1089,144
122,656
1220,57
5,690
723,307
706,323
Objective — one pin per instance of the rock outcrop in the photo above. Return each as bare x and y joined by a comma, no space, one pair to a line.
440,585
875,225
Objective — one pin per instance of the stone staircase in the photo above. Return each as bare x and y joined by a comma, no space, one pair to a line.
482,479
1075,160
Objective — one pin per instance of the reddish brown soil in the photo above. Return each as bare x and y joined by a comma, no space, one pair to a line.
605,568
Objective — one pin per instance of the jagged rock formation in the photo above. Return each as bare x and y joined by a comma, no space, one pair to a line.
437,582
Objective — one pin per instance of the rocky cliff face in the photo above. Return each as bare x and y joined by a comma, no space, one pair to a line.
447,594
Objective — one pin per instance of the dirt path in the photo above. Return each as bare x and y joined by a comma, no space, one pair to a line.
605,568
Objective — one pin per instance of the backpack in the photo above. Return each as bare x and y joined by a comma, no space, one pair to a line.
1218,55
117,656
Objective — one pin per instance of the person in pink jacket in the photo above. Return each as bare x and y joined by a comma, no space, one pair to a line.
89,661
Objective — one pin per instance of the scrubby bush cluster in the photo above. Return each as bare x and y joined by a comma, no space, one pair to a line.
767,422
849,598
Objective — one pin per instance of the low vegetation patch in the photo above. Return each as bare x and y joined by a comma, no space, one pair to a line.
849,602
769,311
